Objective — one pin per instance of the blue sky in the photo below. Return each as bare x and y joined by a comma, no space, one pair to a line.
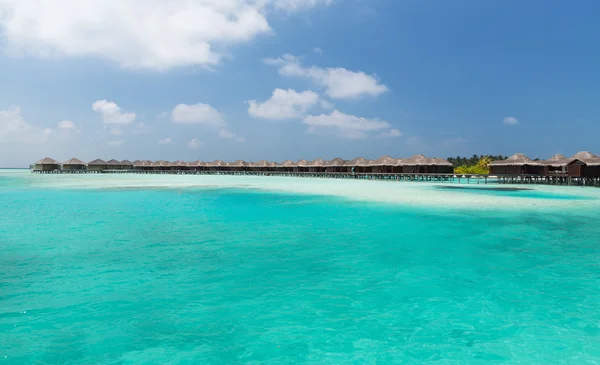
292,79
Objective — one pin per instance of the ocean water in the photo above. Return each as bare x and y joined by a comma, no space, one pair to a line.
235,270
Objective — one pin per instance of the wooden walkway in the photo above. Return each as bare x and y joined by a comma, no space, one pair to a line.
478,179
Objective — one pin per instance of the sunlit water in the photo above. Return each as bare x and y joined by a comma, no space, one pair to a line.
236,270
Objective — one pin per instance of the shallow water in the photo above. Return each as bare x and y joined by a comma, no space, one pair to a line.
97,271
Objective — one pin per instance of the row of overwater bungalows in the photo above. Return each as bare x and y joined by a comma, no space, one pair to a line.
417,164
582,164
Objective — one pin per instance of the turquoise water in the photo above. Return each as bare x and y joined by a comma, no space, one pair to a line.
238,276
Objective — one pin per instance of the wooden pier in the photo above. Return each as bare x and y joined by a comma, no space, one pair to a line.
429,177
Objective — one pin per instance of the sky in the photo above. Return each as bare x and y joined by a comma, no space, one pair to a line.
296,79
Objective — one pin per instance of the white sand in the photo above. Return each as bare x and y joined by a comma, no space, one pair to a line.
405,193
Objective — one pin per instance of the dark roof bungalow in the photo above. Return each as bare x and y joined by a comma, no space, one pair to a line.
565,166
591,161
517,164
419,164
97,165
46,164
73,164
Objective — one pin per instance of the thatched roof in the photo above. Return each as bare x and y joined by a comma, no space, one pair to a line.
335,162
126,163
142,163
558,160
418,160
238,163
287,163
302,163
359,161
47,161
518,159
216,163
97,162
441,162
261,163
319,162
178,163
588,158
384,161
113,162
197,163
74,161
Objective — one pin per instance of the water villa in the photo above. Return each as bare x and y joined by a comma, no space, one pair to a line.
583,168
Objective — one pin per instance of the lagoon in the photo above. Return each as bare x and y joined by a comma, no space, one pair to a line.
262,270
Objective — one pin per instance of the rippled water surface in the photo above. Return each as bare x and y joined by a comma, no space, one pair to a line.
190,275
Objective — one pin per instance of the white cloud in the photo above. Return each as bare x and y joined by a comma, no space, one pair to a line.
116,131
226,134
147,34
291,5
111,113
344,125
14,129
284,104
223,133
167,140
392,133
197,114
317,50
195,143
339,83
116,143
511,121
326,104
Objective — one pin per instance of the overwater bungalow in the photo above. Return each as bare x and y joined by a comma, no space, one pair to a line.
357,165
46,164
317,165
517,164
287,166
385,164
73,165
564,166
335,165
302,166
592,163
420,164
216,165
114,164
97,165
126,165
239,165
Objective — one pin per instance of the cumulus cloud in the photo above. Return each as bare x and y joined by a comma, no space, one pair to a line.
511,121
284,104
116,143
339,83
344,125
197,114
14,129
317,50
146,34
111,113
195,143
167,140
